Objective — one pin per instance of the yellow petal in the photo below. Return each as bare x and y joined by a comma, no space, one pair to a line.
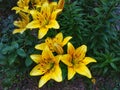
48,40
70,49
45,10
53,24
88,60
47,54
55,13
80,52
83,70
36,58
37,70
34,14
66,59
33,24
56,73
37,16
42,32
71,72
58,38
26,9
53,6
40,46
24,16
61,4
18,23
19,30
65,41
58,58
17,9
44,79
23,3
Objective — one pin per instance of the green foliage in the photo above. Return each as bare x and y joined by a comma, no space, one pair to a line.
94,23
14,53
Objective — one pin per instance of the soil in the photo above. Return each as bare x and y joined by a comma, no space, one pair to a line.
30,83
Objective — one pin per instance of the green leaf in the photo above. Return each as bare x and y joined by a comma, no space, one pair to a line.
21,52
1,46
3,59
114,66
115,88
28,61
12,58
7,49
14,45
98,10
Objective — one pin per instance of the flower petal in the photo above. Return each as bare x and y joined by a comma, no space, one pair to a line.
66,59
58,58
36,58
33,24
55,13
53,24
18,24
56,73
88,60
37,70
61,4
71,72
34,14
44,79
24,16
42,32
58,38
19,30
65,41
83,70
53,6
80,52
45,10
17,9
70,49
40,46
47,54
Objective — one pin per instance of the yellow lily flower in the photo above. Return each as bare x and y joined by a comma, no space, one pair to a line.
22,5
76,61
44,19
21,24
47,66
55,44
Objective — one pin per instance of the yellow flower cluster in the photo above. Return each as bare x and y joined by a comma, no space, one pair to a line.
44,14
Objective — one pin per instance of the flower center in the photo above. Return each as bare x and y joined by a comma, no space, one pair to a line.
47,64
75,61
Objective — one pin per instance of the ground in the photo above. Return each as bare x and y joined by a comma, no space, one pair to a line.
30,83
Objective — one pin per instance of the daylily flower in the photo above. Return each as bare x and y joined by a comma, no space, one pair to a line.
76,61
47,66
44,19
55,44
22,5
21,24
